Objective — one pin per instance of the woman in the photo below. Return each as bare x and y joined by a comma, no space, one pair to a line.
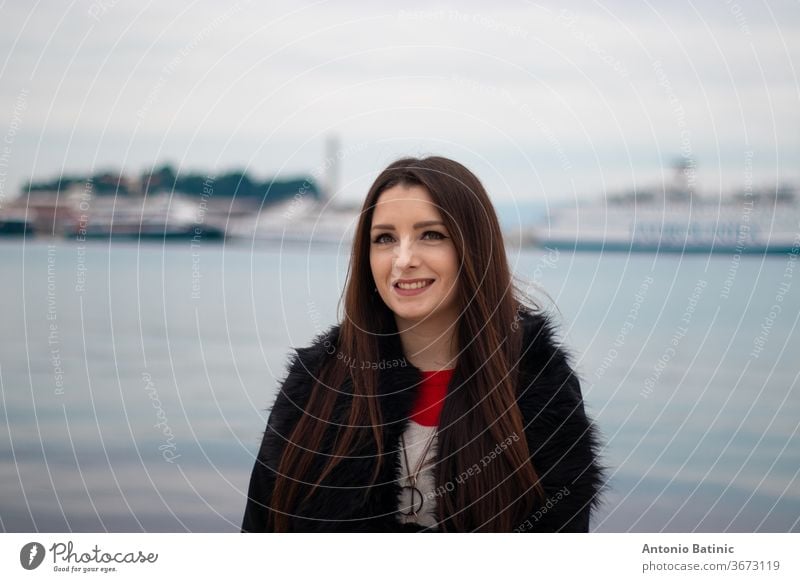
441,402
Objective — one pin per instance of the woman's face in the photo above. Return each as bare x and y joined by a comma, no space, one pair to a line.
410,244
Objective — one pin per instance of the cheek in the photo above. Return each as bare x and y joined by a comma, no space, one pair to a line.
378,265
447,264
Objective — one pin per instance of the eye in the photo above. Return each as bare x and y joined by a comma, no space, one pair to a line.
379,239
437,235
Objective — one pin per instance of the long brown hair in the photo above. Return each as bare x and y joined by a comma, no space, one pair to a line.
480,425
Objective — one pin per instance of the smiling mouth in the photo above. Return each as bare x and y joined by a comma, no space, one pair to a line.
415,285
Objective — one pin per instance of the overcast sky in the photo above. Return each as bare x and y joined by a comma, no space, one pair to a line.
543,100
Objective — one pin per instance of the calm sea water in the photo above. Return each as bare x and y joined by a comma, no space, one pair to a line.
135,379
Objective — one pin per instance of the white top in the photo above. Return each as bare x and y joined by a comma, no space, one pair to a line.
416,439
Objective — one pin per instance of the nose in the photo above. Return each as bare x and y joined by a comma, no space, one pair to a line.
405,255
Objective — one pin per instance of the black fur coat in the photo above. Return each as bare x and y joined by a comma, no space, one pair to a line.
563,443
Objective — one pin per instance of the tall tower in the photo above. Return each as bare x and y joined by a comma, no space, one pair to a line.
332,166
683,179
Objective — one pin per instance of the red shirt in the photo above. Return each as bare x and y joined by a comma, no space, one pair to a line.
430,397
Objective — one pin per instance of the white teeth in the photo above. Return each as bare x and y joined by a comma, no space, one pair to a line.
417,285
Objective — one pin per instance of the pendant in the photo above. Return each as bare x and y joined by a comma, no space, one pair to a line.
415,494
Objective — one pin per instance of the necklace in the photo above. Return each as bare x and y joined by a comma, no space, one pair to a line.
416,494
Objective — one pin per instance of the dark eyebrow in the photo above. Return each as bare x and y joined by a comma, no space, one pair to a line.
418,225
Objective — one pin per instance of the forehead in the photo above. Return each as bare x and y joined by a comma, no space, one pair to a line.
399,200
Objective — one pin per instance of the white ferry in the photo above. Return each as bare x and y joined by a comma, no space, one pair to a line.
300,221
677,221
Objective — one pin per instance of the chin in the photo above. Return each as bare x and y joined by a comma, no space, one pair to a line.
412,314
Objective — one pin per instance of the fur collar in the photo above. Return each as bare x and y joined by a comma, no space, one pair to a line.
541,359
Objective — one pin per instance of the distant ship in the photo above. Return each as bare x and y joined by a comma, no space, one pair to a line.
300,221
77,214
677,221
15,223
161,216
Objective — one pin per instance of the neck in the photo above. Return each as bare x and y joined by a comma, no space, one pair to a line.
429,345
